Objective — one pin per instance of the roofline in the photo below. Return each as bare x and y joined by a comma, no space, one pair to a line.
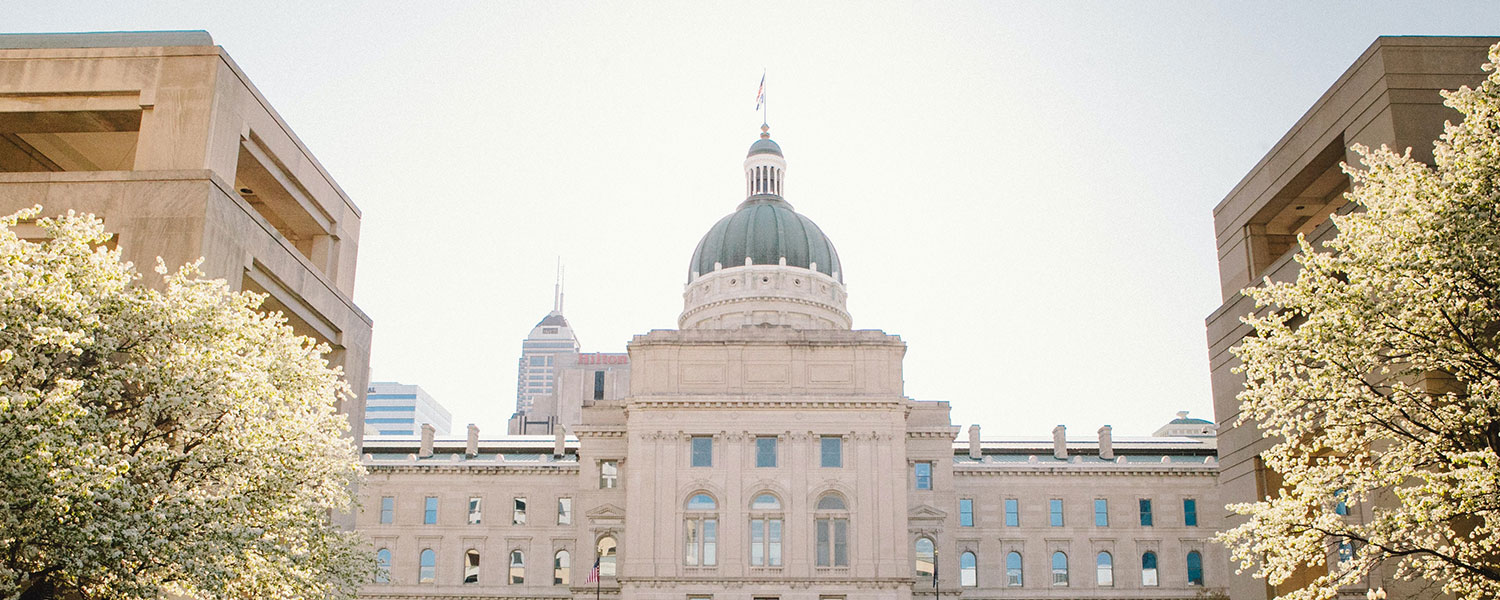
106,39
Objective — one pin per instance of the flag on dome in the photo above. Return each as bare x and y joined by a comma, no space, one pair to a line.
760,94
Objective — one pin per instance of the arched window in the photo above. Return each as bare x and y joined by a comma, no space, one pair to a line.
427,567
471,566
562,567
765,531
925,555
606,549
1148,569
701,526
968,570
1195,568
1104,566
517,567
1013,569
1059,569
383,566
831,529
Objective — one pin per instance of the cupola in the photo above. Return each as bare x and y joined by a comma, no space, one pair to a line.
765,263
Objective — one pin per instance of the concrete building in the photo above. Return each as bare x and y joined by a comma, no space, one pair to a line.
579,380
162,136
397,409
1388,96
768,450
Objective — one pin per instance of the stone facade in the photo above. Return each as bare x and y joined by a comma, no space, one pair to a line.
769,451
163,137
1388,96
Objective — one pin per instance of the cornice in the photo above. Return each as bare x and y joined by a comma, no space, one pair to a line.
790,402
436,592
796,583
473,469
1180,470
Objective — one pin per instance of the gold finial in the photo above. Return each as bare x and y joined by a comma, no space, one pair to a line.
765,131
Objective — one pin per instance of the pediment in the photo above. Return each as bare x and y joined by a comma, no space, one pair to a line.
605,512
924,512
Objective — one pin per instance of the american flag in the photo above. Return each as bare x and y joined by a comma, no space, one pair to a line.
760,94
593,573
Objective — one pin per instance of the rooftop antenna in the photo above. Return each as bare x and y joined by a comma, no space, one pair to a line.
557,294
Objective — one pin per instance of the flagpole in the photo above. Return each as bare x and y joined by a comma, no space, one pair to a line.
598,579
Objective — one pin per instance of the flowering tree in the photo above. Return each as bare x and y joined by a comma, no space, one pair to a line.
1378,370
170,440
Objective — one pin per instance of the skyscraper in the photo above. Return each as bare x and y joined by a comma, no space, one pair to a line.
541,353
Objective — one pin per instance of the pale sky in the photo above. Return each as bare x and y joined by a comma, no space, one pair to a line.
1022,191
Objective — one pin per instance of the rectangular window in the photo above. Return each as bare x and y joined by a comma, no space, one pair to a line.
1145,512
965,512
387,509
703,451
923,472
1055,512
832,451
609,474
475,506
598,385
538,361
564,511
429,510
518,516
765,452
1101,512
1012,512
832,539
1189,512
702,542
765,542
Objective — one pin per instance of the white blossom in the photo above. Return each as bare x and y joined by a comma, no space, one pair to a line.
1378,373
162,438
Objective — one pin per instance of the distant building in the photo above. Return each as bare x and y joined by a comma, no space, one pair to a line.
1185,426
550,342
162,136
579,380
397,409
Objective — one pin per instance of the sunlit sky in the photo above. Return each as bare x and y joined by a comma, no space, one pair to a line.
1021,190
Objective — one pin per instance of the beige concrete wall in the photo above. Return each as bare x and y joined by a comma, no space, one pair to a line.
1389,96
179,198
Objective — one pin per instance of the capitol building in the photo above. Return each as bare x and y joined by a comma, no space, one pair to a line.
766,450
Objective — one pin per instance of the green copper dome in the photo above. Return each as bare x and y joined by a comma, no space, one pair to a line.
765,146
765,229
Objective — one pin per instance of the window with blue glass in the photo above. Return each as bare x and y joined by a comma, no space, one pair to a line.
1012,512
1101,512
765,452
703,451
1195,568
832,451
965,512
1189,512
1055,512
923,472
1013,570
387,509
1145,512
1340,507
383,566
429,510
